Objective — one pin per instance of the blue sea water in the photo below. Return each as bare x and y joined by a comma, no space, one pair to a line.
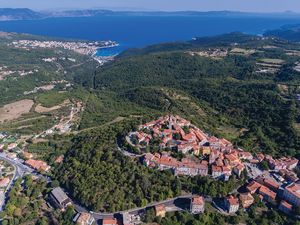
139,31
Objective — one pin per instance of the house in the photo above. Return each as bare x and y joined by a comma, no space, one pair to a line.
109,221
226,172
84,218
216,171
185,147
160,210
59,198
274,186
27,155
245,155
267,194
206,150
38,165
232,159
246,200
231,204
291,194
4,181
239,169
260,157
253,186
197,205
285,207
126,218
11,146
59,159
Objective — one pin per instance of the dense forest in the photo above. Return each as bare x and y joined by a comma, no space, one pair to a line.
26,205
230,87
102,178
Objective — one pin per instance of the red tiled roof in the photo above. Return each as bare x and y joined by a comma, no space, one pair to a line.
106,221
232,200
37,164
266,191
286,205
253,186
271,184
294,189
4,181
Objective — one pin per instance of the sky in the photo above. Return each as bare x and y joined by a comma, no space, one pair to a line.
163,5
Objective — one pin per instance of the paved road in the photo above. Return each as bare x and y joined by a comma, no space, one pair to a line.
167,203
20,171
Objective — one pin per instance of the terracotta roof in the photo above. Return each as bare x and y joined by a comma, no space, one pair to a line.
286,205
232,200
253,186
246,199
199,200
107,221
216,168
37,164
246,196
271,183
294,189
266,191
4,181
159,208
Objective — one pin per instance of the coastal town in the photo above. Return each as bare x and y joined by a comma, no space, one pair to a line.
84,48
89,48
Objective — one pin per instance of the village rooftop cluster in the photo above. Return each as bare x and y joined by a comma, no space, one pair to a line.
220,159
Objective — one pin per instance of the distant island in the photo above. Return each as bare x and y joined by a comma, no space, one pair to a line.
7,14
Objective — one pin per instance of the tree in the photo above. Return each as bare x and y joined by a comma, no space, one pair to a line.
264,165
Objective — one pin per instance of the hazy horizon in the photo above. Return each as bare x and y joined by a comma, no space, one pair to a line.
255,6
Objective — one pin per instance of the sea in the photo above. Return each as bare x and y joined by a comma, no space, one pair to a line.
139,31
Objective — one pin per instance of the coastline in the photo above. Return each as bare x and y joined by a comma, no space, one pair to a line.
103,59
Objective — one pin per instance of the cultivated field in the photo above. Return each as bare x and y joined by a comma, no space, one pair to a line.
15,110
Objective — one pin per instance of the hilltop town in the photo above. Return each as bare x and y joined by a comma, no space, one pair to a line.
206,155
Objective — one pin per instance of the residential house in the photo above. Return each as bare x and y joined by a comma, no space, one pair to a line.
59,198
239,169
160,210
109,221
38,165
245,155
273,185
291,194
4,181
253,186
84,218
285,207
126,218
197,205
246,199
231,204
267,194
27,155
206,150
216,171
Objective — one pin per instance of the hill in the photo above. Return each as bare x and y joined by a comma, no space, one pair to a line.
18,14
288,32
224,85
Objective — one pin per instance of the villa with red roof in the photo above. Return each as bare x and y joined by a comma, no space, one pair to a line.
231,204
197,205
